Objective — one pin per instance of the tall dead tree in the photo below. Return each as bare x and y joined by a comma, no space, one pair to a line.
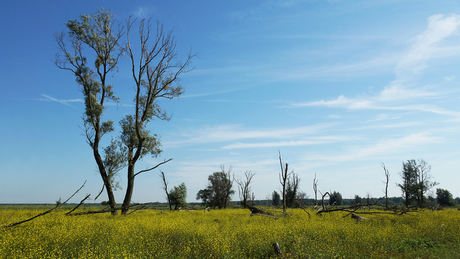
283,177
165,188
315,189
244,187
387,178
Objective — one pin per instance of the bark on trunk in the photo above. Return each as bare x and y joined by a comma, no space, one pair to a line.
129,189
105,178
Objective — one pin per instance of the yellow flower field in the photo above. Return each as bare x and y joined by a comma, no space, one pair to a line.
229,234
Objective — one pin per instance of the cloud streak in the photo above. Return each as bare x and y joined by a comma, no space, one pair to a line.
61,101
381,148
291,143
424,47
227,133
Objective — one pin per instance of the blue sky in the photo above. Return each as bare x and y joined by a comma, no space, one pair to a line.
338,87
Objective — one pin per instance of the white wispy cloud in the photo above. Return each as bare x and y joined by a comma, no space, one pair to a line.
61,101
424,46
142,12
403,88
226,133
381,148
290,143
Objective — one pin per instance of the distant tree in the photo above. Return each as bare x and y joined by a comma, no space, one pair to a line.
409,184
336,198
387,180
206,196
244,188
276,199
423,181
457,200
219,189
283,177
178,196
315,189
301,197
368,198
444,197
416,181
357,200
292,189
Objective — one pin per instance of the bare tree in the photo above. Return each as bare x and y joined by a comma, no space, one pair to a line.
165,188
244,187
302,198
283,177
315,189
387,177
155,72
424,180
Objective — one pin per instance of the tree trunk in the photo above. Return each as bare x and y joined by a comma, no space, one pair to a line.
129,189
105,178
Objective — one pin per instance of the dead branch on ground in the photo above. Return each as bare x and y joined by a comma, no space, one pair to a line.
144,205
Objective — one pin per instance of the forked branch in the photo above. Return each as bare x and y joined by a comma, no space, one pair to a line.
43,213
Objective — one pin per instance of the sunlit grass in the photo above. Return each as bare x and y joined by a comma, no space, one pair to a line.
228,234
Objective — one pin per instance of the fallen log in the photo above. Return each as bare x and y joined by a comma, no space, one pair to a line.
358,218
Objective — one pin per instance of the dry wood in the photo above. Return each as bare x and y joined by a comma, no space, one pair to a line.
358,218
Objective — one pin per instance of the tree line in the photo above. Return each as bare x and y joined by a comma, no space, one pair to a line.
416,188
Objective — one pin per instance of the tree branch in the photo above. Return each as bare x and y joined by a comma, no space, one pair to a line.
150,169
43,213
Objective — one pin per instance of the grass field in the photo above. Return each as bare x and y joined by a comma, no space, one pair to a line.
229,234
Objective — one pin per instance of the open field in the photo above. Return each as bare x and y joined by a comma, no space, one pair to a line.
229,234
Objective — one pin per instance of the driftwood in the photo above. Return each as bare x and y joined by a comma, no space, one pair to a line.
43,213
358,218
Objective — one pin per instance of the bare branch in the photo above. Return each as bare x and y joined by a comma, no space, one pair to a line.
109,209
81,202
150,169
43,213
